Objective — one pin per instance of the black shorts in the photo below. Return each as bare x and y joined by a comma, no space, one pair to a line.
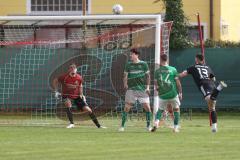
207,88
79,102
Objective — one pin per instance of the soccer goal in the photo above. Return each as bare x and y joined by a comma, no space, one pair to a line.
36,49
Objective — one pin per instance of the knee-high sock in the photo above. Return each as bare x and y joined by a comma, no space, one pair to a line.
214,116
69,114
176,117
124,118
94,119
148,118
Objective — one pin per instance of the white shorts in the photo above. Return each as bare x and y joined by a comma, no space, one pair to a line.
132,96
174,102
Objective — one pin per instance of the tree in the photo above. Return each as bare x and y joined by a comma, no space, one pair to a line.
179,34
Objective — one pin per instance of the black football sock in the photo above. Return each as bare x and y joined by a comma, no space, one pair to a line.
94,119
214,116
70,115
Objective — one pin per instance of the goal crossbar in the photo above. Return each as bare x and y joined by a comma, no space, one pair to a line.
93,17
155,17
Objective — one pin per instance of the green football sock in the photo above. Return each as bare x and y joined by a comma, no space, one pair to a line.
124,118
158,115
176,117
148,118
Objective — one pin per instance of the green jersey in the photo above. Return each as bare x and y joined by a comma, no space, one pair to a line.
165,77
136,75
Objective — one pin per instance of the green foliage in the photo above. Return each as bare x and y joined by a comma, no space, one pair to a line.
179,35
220,44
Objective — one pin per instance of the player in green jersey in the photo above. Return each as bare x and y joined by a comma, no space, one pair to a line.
169,90
136,81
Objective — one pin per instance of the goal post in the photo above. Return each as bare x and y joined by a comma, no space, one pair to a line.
36,49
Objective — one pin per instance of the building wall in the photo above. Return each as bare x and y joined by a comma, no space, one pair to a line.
12,7
229,20
129,6
191,8
226,24
216,19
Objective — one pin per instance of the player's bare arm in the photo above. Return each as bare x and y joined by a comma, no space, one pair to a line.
55,84
125,75
55,88
81,90
183,74
179,87
81,93
148,82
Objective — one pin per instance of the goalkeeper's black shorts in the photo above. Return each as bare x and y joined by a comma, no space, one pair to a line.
79,102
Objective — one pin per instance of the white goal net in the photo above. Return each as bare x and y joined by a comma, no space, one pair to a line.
35,50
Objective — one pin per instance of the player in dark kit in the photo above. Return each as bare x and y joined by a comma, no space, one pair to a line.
204,79
72,93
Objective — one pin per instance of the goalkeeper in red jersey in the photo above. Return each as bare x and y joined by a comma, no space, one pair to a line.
72,93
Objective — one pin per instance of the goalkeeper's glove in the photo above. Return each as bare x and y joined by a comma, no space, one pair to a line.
56,94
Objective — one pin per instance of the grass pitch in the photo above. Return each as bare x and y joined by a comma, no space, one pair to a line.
55,142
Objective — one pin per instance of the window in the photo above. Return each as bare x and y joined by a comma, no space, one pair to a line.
51,6
193,33
225,29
